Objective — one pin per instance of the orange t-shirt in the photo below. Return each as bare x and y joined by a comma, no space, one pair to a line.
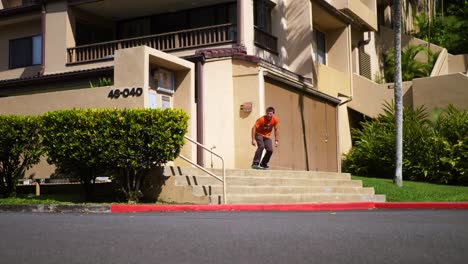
264,127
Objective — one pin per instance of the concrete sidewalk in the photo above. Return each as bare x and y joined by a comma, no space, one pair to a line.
137,208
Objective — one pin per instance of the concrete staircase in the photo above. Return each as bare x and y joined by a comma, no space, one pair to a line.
272,186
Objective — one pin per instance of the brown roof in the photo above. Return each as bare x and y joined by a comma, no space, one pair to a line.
57,76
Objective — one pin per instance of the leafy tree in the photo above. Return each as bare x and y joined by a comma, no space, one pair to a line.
20,149
448,29
410,67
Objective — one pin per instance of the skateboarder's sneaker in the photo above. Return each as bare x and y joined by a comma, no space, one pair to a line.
264,167
256,166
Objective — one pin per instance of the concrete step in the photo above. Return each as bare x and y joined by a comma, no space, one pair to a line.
234,190
272,186
297,198
263,181
191,171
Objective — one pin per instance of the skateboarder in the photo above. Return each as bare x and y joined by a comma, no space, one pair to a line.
261,133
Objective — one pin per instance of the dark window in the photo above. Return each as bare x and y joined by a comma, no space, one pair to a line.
25,51
321,47
262,14
134,28
177,21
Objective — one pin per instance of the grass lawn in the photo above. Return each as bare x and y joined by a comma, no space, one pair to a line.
415,191
410,192
43,199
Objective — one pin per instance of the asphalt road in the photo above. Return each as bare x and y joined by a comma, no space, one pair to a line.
429,236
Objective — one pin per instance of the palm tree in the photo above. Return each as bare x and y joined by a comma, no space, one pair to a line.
410,67
398,180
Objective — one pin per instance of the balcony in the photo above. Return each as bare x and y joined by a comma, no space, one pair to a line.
168,42
265,40
364,11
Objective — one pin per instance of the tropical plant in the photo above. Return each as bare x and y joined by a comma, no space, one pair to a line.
373,154
411,67
433,151
20,149
101,82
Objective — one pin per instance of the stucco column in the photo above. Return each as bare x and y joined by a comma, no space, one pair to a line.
247,21
58,36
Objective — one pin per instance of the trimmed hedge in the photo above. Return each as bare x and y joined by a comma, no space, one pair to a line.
20,149
122,143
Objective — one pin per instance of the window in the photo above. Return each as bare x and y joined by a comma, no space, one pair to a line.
25,51
321,47
164,80
262,14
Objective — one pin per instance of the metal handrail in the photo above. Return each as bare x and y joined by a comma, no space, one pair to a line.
223,180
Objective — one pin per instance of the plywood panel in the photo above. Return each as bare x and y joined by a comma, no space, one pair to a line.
308,135
290,152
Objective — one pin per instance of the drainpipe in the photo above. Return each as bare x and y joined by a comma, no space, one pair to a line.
240,24
200,120
362,43
43,29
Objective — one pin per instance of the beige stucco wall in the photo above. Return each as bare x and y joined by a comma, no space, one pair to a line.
247,33
440,91
296,44
218,112
246,88
292,25
365,10
369,97
57,37
339,49
8,32
332,81
441,65
79,98
131,70
344,130
457,63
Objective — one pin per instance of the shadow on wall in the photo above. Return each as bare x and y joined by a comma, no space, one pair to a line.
31,71
153,184
304,133
296,51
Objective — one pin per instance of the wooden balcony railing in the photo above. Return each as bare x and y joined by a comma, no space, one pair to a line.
213,35
265,40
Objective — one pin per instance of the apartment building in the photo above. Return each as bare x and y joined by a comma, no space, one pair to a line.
222,61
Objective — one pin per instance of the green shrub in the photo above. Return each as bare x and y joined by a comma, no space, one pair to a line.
20,149
374,150
73,142
410,67
122,143
141,140
451,129
433,153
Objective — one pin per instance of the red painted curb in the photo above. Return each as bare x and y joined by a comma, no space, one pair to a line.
126,208
121,208
422,205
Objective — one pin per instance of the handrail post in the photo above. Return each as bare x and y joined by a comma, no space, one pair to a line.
205,170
